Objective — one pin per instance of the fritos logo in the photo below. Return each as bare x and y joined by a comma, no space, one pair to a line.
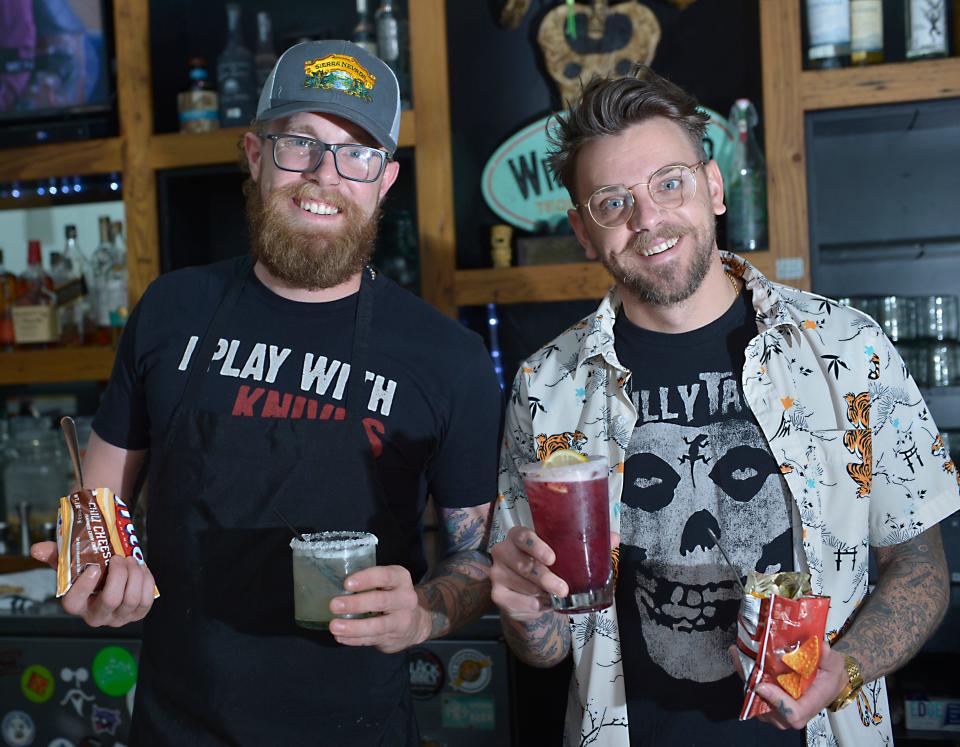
128,536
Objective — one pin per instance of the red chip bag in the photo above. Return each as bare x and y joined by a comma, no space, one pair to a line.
778,640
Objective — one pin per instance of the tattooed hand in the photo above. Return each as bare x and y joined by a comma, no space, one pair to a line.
521,578
788,713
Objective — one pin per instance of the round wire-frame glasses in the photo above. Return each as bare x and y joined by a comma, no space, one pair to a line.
669,187
302,154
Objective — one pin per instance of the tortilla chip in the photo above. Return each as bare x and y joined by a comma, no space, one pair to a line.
804,659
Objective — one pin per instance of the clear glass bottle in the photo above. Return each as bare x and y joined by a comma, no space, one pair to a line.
925,23
39,474
117,298
265,56
391,44
101,263
866,32
746,195
236,76
71,288
828,29
364,34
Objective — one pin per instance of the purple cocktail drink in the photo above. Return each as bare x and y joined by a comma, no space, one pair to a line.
571,513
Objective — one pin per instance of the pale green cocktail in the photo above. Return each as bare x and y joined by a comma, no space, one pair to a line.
321,562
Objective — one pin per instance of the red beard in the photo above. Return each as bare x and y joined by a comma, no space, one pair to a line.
304,257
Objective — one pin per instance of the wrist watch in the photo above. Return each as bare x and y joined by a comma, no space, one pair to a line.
853,686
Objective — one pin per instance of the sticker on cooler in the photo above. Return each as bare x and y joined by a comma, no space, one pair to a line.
470,671
17,729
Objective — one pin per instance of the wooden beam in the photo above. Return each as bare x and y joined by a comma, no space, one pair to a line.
783,128
56,365
132,19
880,84
566,282
434,164
80,158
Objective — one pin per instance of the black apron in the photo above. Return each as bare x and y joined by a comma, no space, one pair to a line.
222,660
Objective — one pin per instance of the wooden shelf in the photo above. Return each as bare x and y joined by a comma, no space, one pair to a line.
56,365
563,282
176,150
80,158
880,84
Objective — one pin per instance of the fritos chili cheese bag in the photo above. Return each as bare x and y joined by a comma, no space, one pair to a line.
92,527
779,631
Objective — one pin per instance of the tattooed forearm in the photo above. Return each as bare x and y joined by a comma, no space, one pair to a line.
543,642
458,592
908,603
464,529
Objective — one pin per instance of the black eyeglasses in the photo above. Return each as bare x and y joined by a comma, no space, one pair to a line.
358,163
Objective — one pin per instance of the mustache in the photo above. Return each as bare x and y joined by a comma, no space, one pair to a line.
309,193
644,240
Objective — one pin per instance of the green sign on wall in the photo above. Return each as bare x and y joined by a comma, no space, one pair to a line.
518,187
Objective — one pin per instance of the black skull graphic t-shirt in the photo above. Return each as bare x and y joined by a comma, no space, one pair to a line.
696,462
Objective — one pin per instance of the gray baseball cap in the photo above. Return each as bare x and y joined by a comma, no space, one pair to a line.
335,77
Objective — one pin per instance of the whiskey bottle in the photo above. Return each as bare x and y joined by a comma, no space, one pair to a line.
828,29
364,35
236,76
35,319
198,105
265,56
926,28
866,32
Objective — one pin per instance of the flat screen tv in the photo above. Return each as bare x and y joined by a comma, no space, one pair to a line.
56,81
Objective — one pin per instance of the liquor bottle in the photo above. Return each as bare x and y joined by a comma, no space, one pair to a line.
747,192
101,263
71,284
265,56
364,34
117,300
866,32
8,291
236,76
392,47
198,106
828,28
34,310
926,28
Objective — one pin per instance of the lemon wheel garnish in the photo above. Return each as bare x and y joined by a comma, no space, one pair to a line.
564,458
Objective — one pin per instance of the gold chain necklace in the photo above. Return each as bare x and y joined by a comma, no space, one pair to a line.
734,283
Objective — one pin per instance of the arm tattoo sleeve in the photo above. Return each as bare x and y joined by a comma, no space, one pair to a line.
458,591
542,642
907,604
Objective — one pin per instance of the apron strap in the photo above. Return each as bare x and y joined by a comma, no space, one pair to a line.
204,350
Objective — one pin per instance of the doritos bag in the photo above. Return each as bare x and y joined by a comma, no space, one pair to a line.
779,631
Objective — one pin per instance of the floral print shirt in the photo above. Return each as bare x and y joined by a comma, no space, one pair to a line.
855,442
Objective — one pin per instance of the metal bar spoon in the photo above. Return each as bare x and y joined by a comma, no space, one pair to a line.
73,447
736,574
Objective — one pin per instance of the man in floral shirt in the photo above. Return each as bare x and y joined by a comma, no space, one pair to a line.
727,405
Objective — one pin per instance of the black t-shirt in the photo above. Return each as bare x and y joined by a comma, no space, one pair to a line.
697,460
432,399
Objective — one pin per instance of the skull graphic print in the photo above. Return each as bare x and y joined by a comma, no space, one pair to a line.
679,482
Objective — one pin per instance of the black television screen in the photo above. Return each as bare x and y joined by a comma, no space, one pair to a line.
54,64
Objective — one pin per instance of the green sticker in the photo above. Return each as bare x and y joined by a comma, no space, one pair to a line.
115,671
37,683
467,711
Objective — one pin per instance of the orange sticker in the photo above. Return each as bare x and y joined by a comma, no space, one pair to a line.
804,660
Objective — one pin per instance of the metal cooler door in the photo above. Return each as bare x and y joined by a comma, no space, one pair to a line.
461,693
66,691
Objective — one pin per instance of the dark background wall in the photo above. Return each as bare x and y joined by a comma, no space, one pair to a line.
498,84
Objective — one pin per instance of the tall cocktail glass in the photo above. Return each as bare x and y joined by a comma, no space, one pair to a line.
321,562
571,513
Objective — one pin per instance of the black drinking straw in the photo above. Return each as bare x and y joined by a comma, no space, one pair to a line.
286,521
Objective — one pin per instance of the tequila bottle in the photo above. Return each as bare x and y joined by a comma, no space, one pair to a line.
236,76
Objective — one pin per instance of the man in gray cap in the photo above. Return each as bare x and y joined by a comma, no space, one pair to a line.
301,380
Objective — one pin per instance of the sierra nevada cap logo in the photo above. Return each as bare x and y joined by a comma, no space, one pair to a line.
340,72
